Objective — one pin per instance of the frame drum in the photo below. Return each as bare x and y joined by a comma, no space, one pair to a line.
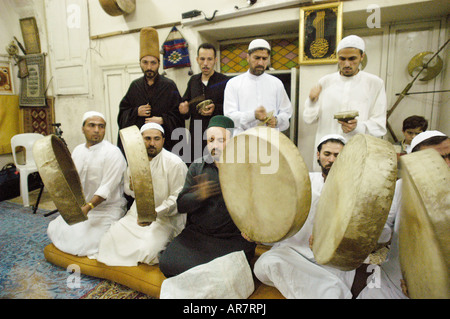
141,176
118,7
265,184
60,177
355,202
424,231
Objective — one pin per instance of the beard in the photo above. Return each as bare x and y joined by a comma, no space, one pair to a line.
325,169
149,74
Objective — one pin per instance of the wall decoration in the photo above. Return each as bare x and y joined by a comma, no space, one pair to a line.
39,119
6,80
30,35
32,87
175,50
320,32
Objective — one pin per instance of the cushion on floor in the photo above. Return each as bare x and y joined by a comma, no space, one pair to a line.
143,278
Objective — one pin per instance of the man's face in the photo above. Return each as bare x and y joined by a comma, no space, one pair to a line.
349,60
94,130
443,149
258,61
328,155
206,61
149,65
154,142
410,133
217,138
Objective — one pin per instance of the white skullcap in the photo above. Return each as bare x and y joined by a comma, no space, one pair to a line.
332,136
259,44
149,126
351,41
92,114
424,136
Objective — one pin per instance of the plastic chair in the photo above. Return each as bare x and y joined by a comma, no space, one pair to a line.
27,167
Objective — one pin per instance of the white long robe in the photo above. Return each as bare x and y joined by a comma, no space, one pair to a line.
384,283
101,168
246,92
126,243
290,266
363,92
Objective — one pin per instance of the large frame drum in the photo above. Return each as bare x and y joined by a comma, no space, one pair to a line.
424,231
355,202
265,184
141,175
60,177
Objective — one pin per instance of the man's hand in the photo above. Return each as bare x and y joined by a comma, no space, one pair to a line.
205,188
184,107
144,110
272,122
208,110
314,93
349,126
154,119
260,113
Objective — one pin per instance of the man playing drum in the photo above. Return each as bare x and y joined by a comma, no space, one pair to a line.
256,97
390,283
349,89
100,166
210,232
126,243
289,265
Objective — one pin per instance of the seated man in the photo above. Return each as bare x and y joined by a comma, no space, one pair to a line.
412,126
390,282
101,167
210,232
126,243
290,265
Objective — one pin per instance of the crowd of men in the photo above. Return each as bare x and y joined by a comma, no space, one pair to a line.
193,227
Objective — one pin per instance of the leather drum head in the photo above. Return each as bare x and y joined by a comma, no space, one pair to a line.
265,184
355,202
424,232
60,177
141,175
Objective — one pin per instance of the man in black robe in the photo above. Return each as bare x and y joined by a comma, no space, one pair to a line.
153,97
209,85
210,232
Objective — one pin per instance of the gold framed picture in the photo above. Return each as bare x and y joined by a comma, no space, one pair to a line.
320,31
30,35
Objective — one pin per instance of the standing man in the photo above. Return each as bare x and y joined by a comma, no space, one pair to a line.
349,89
101,166
290,265
210,232
211,86
152,98
256,97
126,243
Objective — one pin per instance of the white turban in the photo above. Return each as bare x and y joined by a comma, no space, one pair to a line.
351,41
149,126
259,44
332,136
424,136
92,114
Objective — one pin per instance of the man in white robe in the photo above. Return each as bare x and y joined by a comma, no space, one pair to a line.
290,265
387,281
126,243
256,97
100,166
347,90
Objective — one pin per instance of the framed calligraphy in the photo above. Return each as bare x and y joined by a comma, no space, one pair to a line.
320,31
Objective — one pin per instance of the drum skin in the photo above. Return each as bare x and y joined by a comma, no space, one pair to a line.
424,231
60,177
355,202
265,184
141,175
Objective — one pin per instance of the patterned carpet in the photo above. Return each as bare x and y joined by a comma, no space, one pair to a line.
24,272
